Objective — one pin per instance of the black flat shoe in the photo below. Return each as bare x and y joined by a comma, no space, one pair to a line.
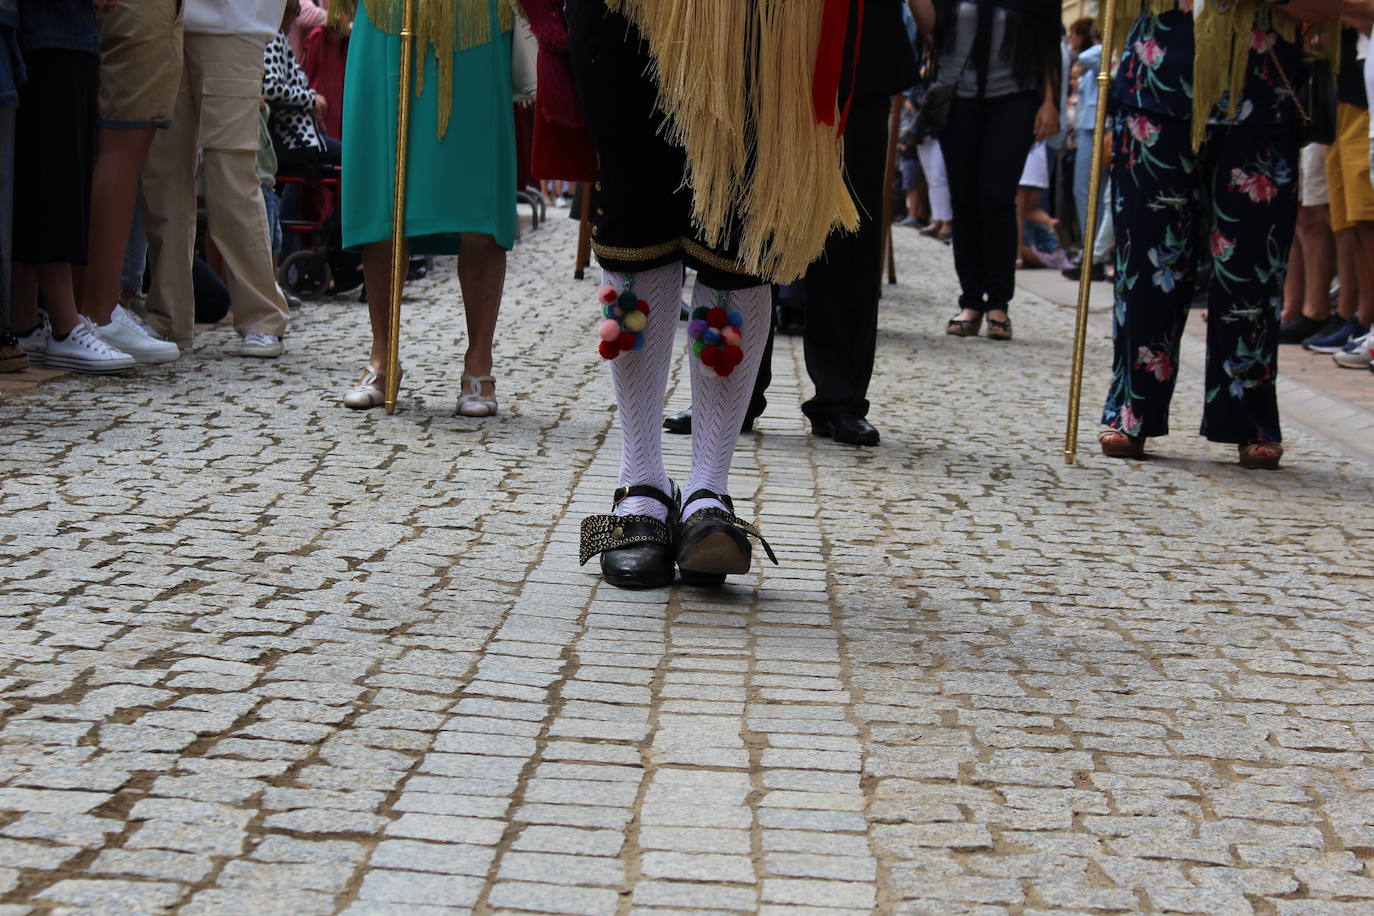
846,428
714,543
636,550
681,423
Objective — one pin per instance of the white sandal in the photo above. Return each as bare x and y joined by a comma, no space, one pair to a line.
369,390
471,403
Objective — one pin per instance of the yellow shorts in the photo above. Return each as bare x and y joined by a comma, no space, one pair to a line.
1347,169
140,63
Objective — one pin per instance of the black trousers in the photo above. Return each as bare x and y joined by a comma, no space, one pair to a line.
843,285
985,145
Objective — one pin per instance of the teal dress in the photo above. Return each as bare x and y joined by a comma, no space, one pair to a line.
464,182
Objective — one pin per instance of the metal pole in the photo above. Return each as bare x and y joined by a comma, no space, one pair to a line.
1080,333
398,212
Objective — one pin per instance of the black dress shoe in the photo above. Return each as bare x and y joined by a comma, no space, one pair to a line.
681,422
713,543
1097,273
1296,330
848,428
636,550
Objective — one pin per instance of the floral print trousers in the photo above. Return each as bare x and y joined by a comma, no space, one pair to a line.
1225,212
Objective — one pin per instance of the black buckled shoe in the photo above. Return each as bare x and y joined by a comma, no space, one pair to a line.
714,543
636,550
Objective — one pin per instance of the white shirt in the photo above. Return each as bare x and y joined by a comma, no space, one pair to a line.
256,20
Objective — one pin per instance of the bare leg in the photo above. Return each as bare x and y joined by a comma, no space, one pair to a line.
1319,260
55,281
1364,232
119,158
377,280
1347,257
482,276
1295,281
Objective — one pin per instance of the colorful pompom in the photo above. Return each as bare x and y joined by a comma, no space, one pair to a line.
608,311
609,330
627,341
736,318
717,317
710,356
635,321
627,301
643,306
607,295
699,313
733,356
712,337
608,349
730,336
697,348
715,333
696,328
639,342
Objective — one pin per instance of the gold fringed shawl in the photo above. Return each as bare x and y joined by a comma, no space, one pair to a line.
1222,35
439,24
734,80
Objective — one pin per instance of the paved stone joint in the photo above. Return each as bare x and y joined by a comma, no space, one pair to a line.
265,655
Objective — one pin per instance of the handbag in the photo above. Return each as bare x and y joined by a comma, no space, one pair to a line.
524,67
936,104
1315,101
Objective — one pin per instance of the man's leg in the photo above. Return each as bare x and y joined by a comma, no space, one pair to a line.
235,216
169,213
842,290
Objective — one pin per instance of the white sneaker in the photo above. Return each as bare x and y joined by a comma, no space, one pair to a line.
266,346
83,351
1357,354
127,333
35,343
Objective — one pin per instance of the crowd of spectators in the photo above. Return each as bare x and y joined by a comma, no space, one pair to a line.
139,146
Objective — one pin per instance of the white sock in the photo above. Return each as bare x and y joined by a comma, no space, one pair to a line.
719,403
641,381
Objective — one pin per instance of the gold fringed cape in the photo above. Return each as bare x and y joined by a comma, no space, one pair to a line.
443,25
1222,33
734,79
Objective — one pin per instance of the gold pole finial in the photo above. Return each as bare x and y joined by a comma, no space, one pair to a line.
398,211
1080,333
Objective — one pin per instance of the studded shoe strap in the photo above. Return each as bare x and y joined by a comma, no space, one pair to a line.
607,532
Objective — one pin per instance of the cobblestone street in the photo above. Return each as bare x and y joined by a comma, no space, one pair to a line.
265,655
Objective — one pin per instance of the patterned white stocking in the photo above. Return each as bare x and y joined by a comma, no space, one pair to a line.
720,402
641,380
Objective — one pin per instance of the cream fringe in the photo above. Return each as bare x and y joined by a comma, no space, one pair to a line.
1222,34
444,25
734,80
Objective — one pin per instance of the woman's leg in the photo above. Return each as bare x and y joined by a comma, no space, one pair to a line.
1000,161
1152,160
377,281
1250,224
1295,281
640,378
719,402
960,143
482,276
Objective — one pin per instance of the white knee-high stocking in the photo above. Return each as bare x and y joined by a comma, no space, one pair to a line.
641,379
719,403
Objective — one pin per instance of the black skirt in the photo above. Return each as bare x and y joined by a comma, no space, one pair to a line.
54,149
641,208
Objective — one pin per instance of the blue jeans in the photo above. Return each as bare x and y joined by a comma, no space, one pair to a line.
272,203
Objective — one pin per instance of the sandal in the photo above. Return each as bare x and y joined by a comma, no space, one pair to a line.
712,542
636,550
1262,455
964,327
471,403
999,330
1116,444
369,390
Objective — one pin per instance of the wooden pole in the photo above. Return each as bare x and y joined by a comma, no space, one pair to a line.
398,212
1080,333
894,127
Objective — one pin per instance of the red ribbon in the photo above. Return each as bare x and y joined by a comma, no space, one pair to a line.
825,82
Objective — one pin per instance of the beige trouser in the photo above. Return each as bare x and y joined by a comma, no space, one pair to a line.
217,111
